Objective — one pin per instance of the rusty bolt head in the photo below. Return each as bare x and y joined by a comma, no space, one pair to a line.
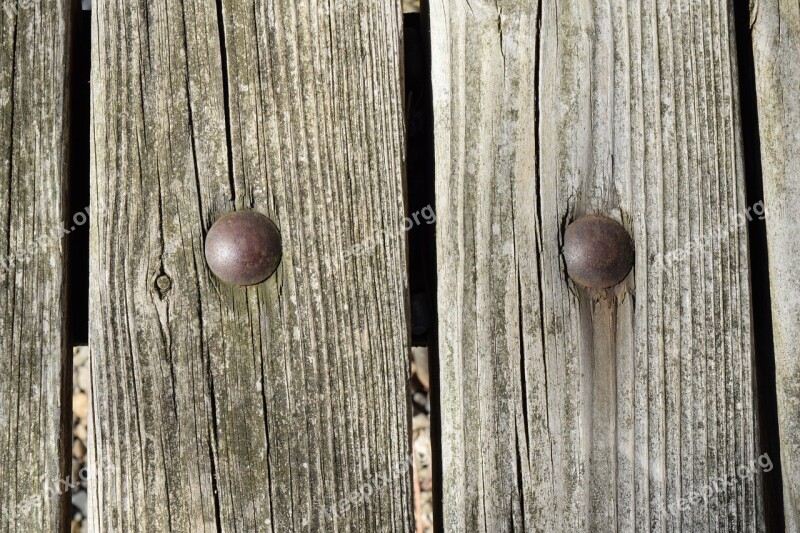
243,248
598,251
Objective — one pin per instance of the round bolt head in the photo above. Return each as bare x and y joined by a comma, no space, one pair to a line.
163,282
598,251
243,248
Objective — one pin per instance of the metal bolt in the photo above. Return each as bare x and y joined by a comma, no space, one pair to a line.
163,282
243,248
598,251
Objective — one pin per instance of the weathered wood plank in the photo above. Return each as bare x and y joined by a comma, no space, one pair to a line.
34,400
264,408
564,409
776,49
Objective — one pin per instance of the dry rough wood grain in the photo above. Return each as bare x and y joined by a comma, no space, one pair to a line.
258,409
569,410
34,400
776,48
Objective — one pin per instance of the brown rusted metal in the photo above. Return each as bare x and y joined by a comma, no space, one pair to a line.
598,251
243,248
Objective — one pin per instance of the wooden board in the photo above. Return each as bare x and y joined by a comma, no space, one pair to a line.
776,49
34,398
281,407
564,409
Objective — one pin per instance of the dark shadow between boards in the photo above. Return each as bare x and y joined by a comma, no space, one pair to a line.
763,345
78,186
420,192
76,221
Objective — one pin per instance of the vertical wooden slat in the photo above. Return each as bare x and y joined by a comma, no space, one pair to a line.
483,109
280,407
776,47
562,408
34,426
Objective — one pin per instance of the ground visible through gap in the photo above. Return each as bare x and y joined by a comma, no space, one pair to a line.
420,200
78,259
79,477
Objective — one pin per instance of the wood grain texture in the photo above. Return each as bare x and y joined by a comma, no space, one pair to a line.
570,410
34,421
266,408
776,49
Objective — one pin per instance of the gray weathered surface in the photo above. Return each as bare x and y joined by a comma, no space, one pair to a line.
564,410
33,126
256,409
776,48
